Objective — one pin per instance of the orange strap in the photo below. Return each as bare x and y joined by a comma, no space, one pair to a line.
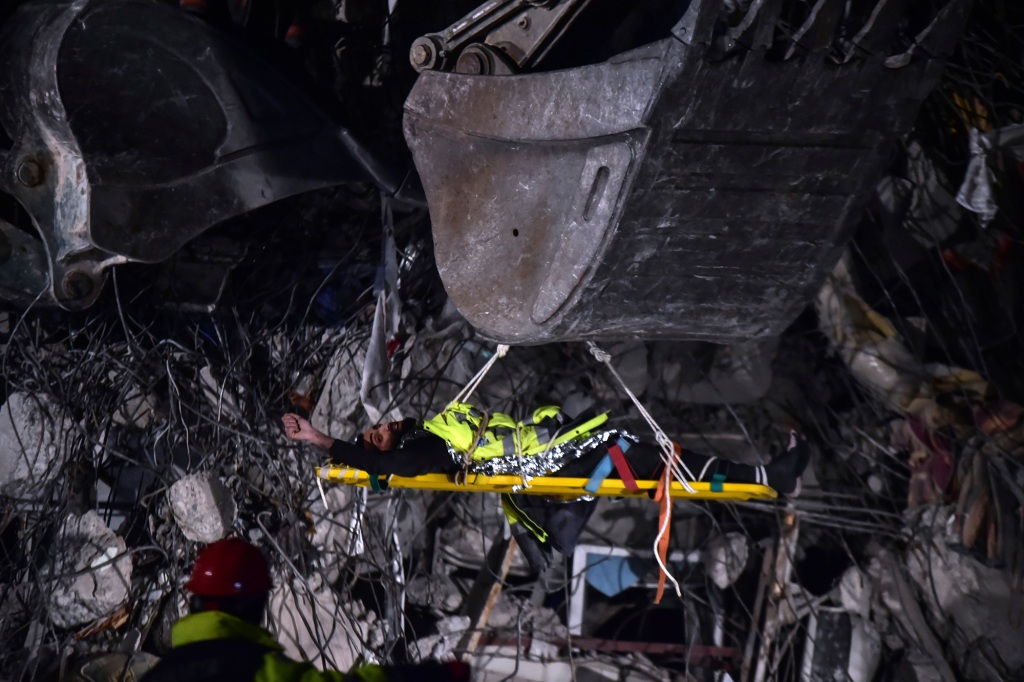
664,496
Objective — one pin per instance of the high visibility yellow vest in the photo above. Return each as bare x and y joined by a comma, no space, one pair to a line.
463,426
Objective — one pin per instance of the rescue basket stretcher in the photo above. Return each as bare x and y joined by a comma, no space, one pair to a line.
551,485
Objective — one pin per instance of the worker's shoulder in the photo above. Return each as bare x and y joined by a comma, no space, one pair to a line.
229,659
277,667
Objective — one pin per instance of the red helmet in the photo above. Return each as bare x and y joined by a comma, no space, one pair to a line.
230,568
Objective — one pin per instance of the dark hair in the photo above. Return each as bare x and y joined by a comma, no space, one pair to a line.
249,609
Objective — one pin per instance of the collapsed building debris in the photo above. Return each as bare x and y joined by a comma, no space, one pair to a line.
906,377
90,573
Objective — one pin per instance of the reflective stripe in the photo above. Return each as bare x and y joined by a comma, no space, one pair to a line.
460,423
516,515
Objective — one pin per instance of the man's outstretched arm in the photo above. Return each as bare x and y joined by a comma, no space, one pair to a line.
297,428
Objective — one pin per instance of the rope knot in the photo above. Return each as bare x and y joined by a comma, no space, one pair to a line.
599,354
501,350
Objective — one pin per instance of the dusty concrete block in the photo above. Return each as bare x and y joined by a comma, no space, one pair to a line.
435,591
90,573
439,647
961,591
203,507
308,622
33,432
727,557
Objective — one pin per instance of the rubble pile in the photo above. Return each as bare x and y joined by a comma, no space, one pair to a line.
134,433
90,574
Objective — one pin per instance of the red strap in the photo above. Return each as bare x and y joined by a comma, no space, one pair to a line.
622,466
664,499
663,496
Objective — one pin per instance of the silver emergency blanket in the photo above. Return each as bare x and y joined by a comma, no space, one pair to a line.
547,462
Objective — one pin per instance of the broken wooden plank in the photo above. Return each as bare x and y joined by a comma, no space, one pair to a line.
485,592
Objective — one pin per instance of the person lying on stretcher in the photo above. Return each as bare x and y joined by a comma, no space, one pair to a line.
547,443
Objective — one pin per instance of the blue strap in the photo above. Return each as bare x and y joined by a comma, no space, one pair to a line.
716,483
601,472
377,485
624,444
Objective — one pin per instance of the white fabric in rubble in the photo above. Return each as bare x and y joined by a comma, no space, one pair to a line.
881,363
375,387
921,200
726,559
977,190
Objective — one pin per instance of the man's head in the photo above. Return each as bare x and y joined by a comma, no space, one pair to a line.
384,436
230,576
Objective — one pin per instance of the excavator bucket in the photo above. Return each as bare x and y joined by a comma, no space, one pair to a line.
134,127
700,187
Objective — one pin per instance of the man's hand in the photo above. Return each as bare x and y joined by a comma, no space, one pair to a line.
297,428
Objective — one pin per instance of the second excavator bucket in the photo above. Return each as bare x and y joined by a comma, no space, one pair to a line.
700,187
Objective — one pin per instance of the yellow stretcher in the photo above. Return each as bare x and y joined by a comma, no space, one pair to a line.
551,485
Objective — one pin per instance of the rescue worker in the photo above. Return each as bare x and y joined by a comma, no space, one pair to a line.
222,639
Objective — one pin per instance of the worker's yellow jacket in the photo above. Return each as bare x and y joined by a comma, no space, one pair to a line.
486,436
213,645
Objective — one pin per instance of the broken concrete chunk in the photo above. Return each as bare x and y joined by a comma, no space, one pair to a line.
33,431
439,647
727,557
435,591
90,573
959,590
203,507
310,620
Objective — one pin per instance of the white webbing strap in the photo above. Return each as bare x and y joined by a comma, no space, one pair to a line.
663,527
705,469
475,381
668,451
